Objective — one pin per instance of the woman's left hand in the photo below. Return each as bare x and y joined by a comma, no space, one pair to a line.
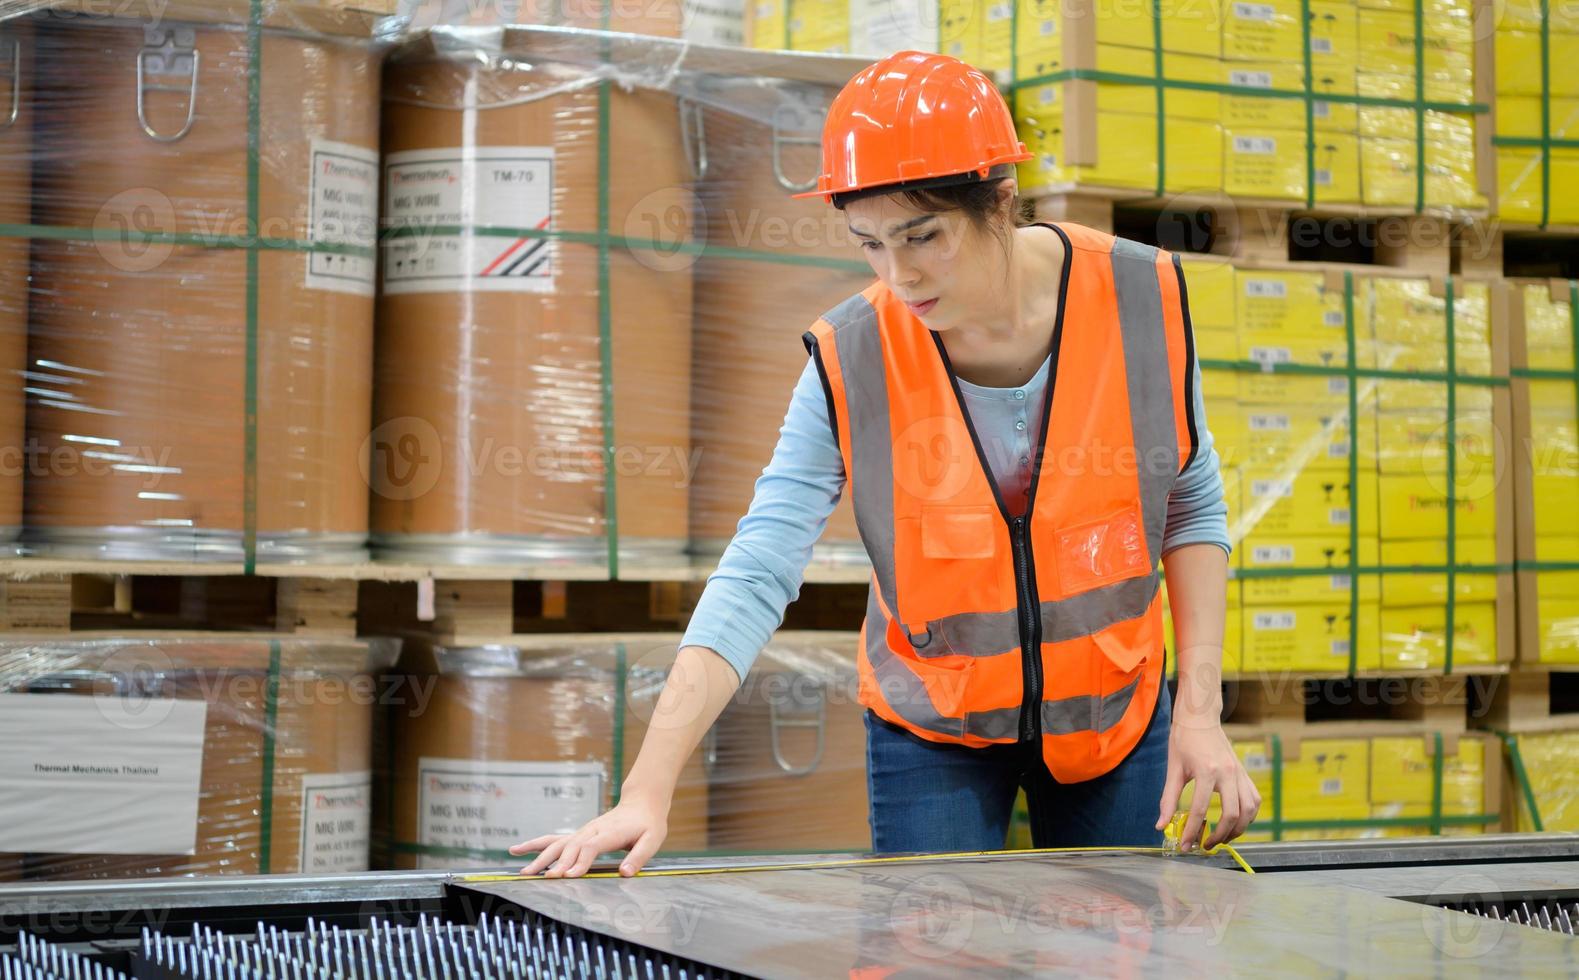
1199,750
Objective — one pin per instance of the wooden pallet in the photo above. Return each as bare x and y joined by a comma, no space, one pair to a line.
1534,700
1338,708
1268,233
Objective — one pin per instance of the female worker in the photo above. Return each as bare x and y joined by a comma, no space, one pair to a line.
1016,413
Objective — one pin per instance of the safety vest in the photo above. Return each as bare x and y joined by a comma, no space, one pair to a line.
984,628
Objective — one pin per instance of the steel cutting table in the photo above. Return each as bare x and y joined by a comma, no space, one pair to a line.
1495,905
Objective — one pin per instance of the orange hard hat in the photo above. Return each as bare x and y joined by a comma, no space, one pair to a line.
915,120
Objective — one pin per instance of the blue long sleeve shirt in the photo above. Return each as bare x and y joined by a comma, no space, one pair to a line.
761,571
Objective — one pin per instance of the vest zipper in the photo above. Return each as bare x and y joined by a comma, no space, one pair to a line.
1030,631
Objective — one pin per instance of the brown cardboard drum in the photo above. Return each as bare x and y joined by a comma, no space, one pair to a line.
747,352
788,764
139,349
525,737
284,783
16,169
494,429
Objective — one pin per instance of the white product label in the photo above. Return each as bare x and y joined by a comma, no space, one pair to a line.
1274,620
714,21
1338,450
1340,648
1332,318
881,27
1331,787
1260,145
1266,289
1271,355
344,189
1255,11
1323,177
1047,95
999,12
1251,79
509,187
1271,488
1269,423
1321,45
491,805
1270,554
1257,760
336,820
1338,386
99,774
1321,110
1048,28
1338,582
1338,515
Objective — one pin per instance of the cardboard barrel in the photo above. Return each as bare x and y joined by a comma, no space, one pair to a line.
491,399
139,346
16,197
281,780
787,759
747,352
526,737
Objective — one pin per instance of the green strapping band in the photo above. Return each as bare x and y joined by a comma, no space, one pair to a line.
186,239
1536,142
619,724
1546,120
1228,88
1463,568
606,335
1310,111
1354,478
1436,784
1452,485
1277,786
1157,80
249,480
1419,100
1522,775
1354,373
271,711
1573,337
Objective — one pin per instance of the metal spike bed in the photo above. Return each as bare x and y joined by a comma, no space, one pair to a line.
1493,906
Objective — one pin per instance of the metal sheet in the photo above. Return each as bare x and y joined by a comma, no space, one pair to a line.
1458,883
1088,914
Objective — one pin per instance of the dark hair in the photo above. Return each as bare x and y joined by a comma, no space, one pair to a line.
979,202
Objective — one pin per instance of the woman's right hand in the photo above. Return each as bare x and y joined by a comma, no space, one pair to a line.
635,824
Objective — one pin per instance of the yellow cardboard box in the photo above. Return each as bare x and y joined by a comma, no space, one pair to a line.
1415,506
1548,325
1415,637
1329,773
1271,163
1263,30
1559,627
1307,636
1188,29
1401,589
1525,15
1267,553
1260,386
1518,56
766,26
1209,281
1387,48
1126,153
1304,437
1401,773
1270,112
1519,185
1414,441
1289,304
1309,502
1388,173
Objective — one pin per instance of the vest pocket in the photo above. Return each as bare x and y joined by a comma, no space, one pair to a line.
1108,549
958,532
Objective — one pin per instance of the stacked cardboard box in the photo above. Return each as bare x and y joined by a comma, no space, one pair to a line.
1519,91
1366,783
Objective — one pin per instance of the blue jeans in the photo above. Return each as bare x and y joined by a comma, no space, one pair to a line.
928,796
